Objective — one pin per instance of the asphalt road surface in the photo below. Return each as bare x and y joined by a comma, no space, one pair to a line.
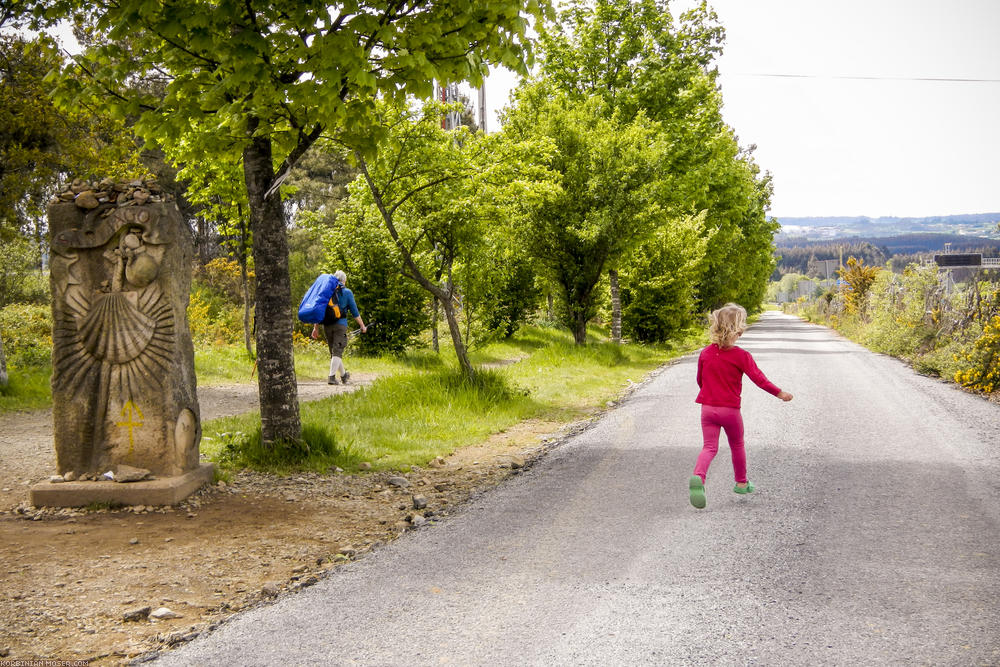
873,538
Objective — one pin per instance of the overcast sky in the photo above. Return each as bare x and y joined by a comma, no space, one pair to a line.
885,145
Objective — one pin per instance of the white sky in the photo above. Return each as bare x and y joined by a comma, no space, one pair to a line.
839,146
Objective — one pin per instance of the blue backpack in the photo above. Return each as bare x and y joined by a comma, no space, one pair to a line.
319,296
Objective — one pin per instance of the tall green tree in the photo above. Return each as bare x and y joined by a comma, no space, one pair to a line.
437,191
40,144
609,196
258,83
637,58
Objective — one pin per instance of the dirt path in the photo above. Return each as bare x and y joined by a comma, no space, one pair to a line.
71,577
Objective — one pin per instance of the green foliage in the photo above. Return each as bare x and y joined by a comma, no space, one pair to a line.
500,288
632,62
952,334
212,318
437,193
257,84
27,335
980,358
608,198
20,279
40,144
658,282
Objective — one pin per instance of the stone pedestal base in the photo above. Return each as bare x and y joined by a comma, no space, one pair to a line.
166,491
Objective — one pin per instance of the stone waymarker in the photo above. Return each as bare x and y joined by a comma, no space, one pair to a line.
123,382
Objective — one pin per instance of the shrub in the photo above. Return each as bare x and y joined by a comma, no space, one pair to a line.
859,279
27,335
20,281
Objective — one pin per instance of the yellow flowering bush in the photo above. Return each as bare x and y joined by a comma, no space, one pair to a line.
981,361
27,334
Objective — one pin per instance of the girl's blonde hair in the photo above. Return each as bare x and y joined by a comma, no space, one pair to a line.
727,324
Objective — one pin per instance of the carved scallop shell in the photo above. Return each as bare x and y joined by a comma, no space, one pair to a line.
114,330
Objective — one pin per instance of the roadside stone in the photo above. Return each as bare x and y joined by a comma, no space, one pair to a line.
134,540
437,462
364,466
56,479
135,615
350,552
417,520
163,613
124,473
419,502
270,590
70,476
399,482
516,462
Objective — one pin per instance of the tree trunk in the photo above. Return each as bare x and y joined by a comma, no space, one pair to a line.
245,283
279,403
579,329
444,296
3,365
434,324
247,332
456,337
616,308
552,316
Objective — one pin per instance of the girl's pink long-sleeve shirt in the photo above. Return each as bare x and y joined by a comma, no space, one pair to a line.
720,376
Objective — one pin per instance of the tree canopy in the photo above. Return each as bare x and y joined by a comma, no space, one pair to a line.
256,84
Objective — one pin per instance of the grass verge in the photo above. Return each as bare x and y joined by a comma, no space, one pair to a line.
27,389
425,409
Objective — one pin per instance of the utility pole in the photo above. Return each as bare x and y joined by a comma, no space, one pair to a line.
482,108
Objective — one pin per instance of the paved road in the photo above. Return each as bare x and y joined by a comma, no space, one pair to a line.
874,538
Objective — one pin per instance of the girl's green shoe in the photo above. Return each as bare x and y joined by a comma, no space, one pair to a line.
697,489
743,490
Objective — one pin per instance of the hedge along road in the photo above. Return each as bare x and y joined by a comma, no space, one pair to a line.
873,537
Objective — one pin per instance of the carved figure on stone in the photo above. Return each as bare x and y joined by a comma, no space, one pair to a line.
123,380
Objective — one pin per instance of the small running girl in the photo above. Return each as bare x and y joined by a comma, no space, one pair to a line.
721,367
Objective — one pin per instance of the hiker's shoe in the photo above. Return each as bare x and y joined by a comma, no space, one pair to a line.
743,490
345,377
332,380
697,490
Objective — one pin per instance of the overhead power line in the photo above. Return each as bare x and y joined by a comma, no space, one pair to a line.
865,78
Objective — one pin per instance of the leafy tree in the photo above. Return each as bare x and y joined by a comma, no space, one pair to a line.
436,191
40,144
659,279
500,287
255,84
609,198
635,57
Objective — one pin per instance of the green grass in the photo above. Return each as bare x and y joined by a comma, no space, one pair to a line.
423,408
419,407
27,389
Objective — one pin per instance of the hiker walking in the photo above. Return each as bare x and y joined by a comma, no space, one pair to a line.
335,327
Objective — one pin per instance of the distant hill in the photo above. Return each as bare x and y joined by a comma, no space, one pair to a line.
797,254
817,228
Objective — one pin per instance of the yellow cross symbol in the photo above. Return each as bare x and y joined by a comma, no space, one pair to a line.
130,412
